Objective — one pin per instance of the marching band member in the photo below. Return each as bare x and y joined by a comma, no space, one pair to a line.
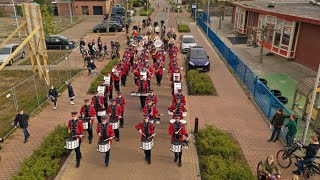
179,95
177,108
158,68
151,109
123,73
121,102
108,90
176,80
152,97
177,130
149,74
116,77
146,130
98,104
135,70
114,111
142,86
75,129
105,132
177,71
88,112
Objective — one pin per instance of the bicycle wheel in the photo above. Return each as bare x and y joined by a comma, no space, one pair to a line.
107,55
259,170
284,158
307,172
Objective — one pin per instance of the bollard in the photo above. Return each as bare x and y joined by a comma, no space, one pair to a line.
196,125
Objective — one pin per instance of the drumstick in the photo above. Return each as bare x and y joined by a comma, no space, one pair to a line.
151,136
77,136
179,129
109,138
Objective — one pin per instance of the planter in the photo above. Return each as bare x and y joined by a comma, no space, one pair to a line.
282,99
276,92
264,81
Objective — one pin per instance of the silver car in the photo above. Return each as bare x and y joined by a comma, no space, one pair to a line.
8,49
186,42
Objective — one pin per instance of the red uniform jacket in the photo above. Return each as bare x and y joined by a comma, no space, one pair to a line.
181,133
101,101
114,77
92,113
107,91
153,110
149,73
108,130
158,67
150,129
153,98
121,102
172,108
79,128
144,86
118,110
182,97
135,69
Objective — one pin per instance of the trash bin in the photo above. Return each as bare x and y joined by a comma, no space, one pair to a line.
282,99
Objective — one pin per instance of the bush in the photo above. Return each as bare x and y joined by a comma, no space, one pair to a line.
144,12
136,3
184,28
97,81
220,156
199,84
46,160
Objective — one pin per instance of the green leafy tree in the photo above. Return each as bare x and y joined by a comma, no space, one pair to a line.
48,27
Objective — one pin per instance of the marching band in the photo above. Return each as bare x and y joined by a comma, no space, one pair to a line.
110,116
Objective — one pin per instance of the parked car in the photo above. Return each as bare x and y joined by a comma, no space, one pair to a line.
8,49
102,27
186,42
59,42
198,59
314,2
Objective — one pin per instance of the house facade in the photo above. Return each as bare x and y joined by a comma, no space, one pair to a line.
81,7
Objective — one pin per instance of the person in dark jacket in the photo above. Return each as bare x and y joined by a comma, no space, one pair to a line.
70,92
311,153
22,119
53,94
292,130
277,123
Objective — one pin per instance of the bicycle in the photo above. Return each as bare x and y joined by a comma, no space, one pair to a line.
311,169
285,155
260,174
101,55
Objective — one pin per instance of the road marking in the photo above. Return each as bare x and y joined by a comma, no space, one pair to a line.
75,49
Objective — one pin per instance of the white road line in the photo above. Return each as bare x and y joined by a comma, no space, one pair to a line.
75,49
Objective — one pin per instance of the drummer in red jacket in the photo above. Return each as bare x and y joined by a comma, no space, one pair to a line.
105,133
146,130
179,95
75,129
88,113
177,130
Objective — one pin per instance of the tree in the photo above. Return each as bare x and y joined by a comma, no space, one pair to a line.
48,27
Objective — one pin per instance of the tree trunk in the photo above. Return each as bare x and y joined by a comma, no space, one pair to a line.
109,17
220,21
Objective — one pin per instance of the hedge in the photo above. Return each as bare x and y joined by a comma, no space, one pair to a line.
199,83
46,160
183,28
220,156
97,81
144,12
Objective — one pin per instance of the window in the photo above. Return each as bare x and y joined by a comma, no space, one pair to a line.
198,54
277,38
271,19
5,50
286,37
85,10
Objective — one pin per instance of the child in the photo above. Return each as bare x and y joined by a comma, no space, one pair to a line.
92,68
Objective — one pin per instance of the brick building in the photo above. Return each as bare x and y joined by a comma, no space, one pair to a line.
6,6
81,7
294,28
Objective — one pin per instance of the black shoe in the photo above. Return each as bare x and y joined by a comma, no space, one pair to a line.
180,164
107,164
175,160
25,141
296,173
121,126
270,140
275,140
90,141
118,139
77,165
149,162
145,159
80,155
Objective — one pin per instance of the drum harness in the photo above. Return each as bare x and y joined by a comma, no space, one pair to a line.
74,127
87,114
97,105
113,113
104,130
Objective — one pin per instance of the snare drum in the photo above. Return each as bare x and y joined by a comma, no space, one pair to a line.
182,121
103,146
176,146
101,112
115,125
157,120
170,113
72,143
146,144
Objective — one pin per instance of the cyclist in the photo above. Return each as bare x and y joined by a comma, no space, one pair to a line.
105,48
270,168
99,44
311,153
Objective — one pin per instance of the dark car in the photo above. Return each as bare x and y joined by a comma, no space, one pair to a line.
59,42
102,27
198,59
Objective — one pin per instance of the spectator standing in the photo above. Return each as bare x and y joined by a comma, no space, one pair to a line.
22,118
292,130
277,123
53,94
70,92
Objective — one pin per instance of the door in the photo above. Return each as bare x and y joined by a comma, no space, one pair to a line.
85,10
97,10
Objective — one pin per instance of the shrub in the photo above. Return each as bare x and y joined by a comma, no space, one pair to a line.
46,159
97,81
220,156
199,84
136,3
184,28
144,12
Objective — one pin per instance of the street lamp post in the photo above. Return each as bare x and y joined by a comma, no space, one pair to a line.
70,11
208,16
15,14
